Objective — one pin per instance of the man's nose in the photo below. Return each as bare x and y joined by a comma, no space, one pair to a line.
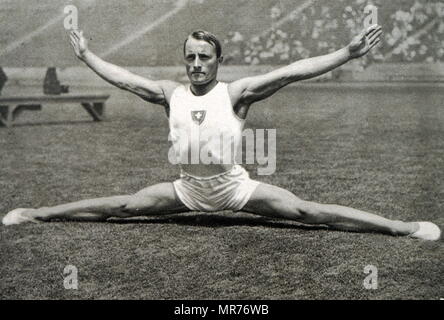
197,64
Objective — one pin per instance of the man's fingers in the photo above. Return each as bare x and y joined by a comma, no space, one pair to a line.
375,36
373,33
73,46
375,43
73,39
75,33
371,29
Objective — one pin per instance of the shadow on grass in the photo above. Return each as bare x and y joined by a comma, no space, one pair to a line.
217,221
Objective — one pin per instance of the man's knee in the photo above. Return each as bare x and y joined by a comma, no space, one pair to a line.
137,205
311,212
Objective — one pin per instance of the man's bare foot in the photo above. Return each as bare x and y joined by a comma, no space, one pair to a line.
17,216
426,231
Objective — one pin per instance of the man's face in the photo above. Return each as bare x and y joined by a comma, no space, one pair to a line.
201,61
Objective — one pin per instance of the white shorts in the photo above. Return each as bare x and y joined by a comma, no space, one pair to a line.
230,190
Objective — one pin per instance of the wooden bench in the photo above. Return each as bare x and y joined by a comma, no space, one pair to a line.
11,107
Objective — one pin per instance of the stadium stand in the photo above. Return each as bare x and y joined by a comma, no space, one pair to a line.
414,32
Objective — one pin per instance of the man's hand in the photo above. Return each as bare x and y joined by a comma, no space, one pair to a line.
79,43
362,43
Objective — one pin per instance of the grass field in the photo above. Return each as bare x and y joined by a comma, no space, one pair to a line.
379,149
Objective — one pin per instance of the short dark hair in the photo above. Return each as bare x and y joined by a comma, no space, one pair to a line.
208,37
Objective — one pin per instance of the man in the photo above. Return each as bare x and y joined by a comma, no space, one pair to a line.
208,105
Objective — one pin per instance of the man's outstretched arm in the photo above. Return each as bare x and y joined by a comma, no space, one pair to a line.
157,92
248,90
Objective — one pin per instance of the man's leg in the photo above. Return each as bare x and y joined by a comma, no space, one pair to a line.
272,201
157,199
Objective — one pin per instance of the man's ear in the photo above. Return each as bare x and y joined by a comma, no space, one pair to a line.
220,59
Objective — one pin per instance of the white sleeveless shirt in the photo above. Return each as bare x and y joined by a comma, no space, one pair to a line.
204,130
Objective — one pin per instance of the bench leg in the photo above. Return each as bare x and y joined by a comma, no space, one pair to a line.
17,110
96,110
6,116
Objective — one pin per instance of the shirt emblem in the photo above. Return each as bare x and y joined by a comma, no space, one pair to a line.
198,116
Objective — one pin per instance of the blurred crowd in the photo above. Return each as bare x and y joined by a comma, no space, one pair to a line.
413,32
